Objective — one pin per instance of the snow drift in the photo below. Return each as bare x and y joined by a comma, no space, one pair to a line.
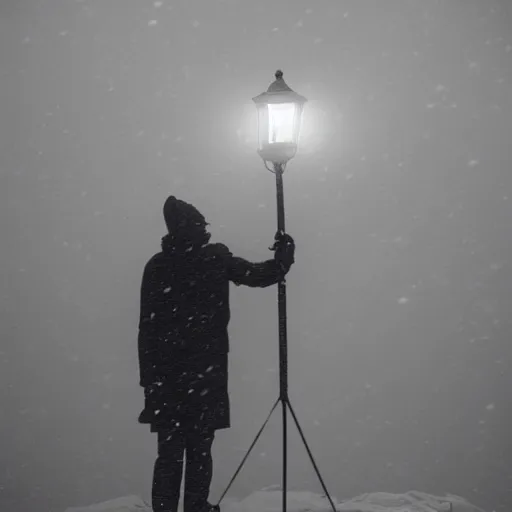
269,500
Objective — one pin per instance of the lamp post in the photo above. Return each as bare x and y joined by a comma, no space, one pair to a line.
279,122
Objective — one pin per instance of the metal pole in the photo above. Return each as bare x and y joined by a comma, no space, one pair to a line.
283,367
283,341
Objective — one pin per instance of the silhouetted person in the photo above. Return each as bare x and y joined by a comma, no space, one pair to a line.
183,348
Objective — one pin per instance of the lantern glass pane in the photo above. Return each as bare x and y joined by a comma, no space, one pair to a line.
281,119
263,125
278,130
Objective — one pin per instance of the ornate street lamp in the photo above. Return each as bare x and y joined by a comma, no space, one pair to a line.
279,122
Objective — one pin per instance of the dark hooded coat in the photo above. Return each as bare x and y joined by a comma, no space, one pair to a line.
183,332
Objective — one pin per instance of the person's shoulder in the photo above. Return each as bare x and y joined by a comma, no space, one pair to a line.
159,256
217,250
155,260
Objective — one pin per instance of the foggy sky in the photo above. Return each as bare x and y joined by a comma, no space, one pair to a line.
399,200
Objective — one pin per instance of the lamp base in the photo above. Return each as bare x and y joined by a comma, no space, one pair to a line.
278,152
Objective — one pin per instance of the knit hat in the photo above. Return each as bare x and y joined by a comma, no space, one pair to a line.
180,214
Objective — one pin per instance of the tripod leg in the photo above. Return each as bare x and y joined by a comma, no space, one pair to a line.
285,455
317,471
249,451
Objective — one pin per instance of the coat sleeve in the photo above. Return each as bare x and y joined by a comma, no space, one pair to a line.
146,296
255,275
147,352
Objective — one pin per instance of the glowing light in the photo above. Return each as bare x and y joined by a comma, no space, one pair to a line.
279,115
281,119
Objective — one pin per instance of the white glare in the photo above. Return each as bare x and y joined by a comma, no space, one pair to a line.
281,120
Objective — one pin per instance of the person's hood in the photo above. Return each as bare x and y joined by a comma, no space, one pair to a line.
179,214
186,227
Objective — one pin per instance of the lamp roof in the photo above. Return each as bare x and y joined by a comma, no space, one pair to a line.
279,92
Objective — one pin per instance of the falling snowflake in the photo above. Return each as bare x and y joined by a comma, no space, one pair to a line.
473,65
167,290
318,40
195,23
490,407
158,4
473,163
403,300
299,23
275,29
152,23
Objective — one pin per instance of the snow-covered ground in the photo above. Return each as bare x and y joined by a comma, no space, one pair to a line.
269,500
